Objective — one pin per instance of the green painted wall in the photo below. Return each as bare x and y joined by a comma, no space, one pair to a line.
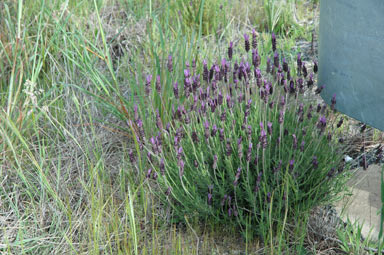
351,57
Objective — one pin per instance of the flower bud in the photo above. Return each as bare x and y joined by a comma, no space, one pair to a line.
230,50
254,39
273,42
246,42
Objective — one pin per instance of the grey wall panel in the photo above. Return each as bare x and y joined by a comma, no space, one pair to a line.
351,57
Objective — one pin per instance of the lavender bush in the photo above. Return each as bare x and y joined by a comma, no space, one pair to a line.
242,146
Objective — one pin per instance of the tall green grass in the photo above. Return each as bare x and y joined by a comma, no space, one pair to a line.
67,186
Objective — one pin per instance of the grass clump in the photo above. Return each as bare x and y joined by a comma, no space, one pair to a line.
242,148
206,16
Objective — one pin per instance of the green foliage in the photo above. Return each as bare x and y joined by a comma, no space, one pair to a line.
67,185
281,16
233,153
352,240
205,16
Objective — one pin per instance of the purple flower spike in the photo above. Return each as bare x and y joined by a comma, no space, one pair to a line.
285,65
159,122
254,39
229,101
269,197
206,128
322,123
220,98
285,86
228,148
230,50
141,128
249,104
310,80
237,177
276,59
273,42
269,128
162,166
318,90
281,117
315,163
214,130
268,65
302,146
301,109
223,116
214,166
294,141
131,156
340,122
195,138
205,71
333,101
223,63
221,134
176,90
209,199
304,132
299,63
179,152
292,89
291,164
187,73
217,72
148,173
148,79
263,139
246,42
315,66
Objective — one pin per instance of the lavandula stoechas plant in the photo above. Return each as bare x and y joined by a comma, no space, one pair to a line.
242,141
